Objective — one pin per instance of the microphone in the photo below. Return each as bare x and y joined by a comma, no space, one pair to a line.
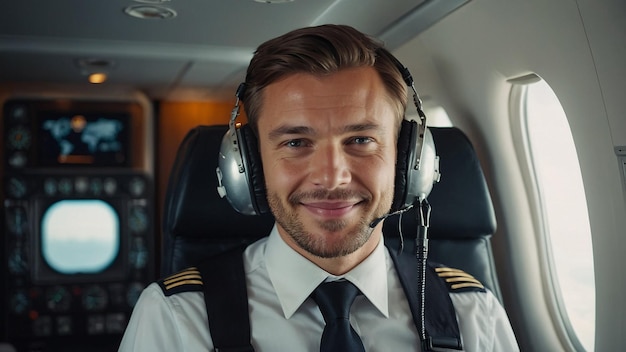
378,220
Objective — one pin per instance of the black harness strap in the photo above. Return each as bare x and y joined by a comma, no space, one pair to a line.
442,329
226,300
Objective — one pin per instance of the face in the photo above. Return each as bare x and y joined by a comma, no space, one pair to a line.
328,147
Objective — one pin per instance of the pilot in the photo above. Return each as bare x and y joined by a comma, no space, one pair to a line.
326,104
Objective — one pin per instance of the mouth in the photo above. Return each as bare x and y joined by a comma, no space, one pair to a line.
331,209
330,205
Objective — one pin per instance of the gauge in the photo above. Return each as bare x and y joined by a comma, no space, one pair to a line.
17,114
136,186
18,160
17,222
110,186
138,255
50,186
19,302
17,261
19,138
81,184
138,219
58,299
17,187
95,186
64,325
65,186
95,298
96,324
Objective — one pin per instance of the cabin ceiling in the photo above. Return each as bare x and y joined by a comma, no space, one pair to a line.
201,53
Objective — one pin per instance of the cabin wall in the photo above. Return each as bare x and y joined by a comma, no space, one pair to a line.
578,47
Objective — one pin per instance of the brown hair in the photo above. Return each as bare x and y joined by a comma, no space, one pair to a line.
319,50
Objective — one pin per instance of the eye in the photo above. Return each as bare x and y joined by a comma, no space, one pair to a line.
294,143
362,140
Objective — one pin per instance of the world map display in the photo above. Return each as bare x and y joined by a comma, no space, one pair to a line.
91,137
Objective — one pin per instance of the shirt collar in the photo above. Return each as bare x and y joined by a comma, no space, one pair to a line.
294,277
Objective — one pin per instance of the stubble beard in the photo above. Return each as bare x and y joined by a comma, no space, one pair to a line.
287,217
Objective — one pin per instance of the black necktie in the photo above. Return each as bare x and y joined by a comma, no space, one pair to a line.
334,300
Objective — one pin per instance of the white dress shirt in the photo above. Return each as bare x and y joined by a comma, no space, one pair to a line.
284,318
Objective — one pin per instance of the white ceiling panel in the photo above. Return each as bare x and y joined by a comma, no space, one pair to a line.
204,49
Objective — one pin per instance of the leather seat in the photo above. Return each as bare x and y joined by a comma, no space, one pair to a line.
197,223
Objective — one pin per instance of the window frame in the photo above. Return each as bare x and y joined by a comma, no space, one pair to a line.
549,277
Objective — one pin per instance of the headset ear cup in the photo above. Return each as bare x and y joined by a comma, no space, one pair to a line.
404,148
250,150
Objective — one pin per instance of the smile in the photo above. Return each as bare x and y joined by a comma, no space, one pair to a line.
330,209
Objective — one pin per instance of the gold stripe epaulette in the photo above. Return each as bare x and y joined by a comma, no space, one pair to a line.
187,280
459,280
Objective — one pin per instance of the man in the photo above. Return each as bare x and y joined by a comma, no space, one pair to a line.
326,108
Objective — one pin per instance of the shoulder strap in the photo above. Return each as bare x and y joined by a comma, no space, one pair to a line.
187,280
458,280
226,300
442,329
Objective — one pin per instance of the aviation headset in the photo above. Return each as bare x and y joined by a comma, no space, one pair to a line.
240,173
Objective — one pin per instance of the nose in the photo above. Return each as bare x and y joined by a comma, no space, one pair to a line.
330,167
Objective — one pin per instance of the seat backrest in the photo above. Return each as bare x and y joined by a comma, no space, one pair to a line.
462,216
198,223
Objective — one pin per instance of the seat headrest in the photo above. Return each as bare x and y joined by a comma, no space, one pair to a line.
193,208
461,203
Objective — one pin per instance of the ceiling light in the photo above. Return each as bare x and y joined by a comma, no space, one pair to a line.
96,69
97,78
150,12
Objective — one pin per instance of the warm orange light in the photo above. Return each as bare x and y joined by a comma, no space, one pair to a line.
97,78
78,123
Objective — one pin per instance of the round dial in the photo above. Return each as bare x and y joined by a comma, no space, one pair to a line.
19,302
18,159
17,261
17,187
65,186
58,299
19,138
138,255
95,298
17,222
109,186
17,113
137,186
138,219
96,186
81,184
50,186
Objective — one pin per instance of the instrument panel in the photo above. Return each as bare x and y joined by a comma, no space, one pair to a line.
78,223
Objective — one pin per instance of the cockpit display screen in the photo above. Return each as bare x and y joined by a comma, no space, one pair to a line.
83,139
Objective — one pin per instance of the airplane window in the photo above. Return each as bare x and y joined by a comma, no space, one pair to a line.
562,207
